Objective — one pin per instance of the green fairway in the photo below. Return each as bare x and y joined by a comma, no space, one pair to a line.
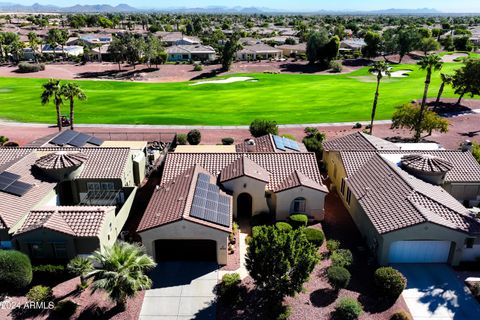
285,98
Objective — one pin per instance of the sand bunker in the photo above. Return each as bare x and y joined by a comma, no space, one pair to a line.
223,81
452,57
397,74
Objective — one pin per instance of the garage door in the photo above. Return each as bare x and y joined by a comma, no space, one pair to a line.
185,250
419,252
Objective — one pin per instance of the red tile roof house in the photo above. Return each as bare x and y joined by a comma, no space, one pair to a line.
59,202
408,203
265,178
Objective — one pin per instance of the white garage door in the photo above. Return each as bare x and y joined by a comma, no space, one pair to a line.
419,252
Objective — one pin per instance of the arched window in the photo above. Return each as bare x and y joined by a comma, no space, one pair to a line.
299,205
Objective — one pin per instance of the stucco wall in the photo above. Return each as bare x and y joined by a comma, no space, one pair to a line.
463,191
251,186
314,202
186,230
335,168
124,212
45,238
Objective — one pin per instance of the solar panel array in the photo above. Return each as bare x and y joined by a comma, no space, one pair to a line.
75,139
9,183
208,204
285,143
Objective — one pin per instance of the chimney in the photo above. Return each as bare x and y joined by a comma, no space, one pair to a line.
251,145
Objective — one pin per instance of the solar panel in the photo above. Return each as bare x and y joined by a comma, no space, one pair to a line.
64,137
290,144
18,188
7,178
95,141
80,140
279,142
204,177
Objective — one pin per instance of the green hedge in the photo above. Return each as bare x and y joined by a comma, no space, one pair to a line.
314,236
348,309
194,137
25,67
15,270
389,282
333,245
342,258
40,294
298,220
227,141
338,277
283,226
181,139
228,289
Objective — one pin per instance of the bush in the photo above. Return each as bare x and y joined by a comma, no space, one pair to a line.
389,282
338,277
16,270
227,141
228,288
25,67
357,125
261,219
49,269
181,139
314,236
194,137
289,136
283,226
39,294
348,309
65,309
400,315
298,220
198,67
333,245
342,258
260,128
335,66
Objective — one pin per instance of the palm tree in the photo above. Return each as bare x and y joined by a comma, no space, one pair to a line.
80,267
33,42
429,63
52,89
381,69
70,91
121,271
446,79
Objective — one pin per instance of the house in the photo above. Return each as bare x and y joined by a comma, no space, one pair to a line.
73,51
352,44
293,50
192,209
279,40
177,38
408,204
258,51
190,53
57,202
95,39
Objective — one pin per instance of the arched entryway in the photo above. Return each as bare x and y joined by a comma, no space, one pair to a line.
244,206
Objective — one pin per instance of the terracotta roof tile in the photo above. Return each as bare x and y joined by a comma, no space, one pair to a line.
265,144
297,179
244,166
359,141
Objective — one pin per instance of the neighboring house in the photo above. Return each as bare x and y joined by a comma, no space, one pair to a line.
73,51
190,53
352,44
258,51
95,39
177,38
59,202
289,50
255,181
279,40
408,203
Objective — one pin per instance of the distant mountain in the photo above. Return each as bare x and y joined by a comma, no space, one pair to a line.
407,11
13,7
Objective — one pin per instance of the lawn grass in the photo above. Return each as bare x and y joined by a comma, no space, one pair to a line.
286,98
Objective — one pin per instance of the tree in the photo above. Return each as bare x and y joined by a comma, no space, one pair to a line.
381,69
463,43
316,42
33,42
117,51
476,151
260,127
429,63
402,41
52,90
153,50
72,91
62,38
446,79
229,49
466,80
373,44
52,39
429,44
313,141
80,267
406,116
330,50
280,262
120,271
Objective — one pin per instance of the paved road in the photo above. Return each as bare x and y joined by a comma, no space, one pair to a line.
436,292
181,291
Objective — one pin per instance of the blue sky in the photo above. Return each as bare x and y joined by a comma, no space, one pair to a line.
442,5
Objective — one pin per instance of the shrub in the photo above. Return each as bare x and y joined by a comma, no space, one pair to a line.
338,277
335,66
25,67
389,282
65,309
198,67
16,270
261,219
260,128
194,137
357,125
11,144
333,245
228,288
283,226
39,294
289,136
181,139
49,269
400,315
342,258
314,236
227,141
348,309
298,220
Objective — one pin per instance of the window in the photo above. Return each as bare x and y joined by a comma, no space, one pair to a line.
299,205
36,250
60,250
469,242
93,186
103,186
342,187
349,195
108,186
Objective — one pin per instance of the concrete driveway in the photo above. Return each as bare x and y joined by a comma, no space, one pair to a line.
435,291
180,291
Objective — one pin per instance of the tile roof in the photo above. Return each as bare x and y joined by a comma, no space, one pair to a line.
259,48
61,160
76,221
359,141
298,179
173,200
244,166
426,163
265,144
393,199
280,165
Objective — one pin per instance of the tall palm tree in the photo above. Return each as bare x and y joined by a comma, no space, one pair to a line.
446,79
121,271
381,69
80,267
52,90
72,91
430,63
33,42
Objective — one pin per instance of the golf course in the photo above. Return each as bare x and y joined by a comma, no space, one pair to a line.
286,98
